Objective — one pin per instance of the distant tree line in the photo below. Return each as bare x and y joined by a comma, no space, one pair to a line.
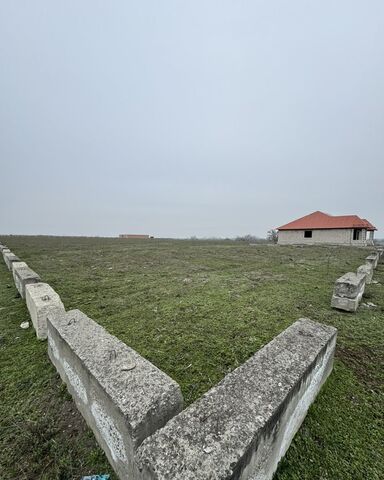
248,238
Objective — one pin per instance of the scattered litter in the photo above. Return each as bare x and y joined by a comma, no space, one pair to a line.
369,305
208,449
109,268
24,325
96,477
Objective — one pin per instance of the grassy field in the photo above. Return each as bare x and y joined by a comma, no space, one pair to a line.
197,310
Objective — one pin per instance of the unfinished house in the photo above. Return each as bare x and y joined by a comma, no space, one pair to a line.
319,227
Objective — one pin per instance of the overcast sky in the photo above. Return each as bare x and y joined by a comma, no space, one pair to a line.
175,118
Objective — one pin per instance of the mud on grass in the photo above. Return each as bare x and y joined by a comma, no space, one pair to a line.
197,310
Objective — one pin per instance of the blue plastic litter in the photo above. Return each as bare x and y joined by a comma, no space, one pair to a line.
96,477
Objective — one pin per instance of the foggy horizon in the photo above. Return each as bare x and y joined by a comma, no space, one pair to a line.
211,119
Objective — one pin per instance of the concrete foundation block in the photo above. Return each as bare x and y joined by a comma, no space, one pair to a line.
122,396
367,270
344,303
42,301
15,266
23,275
4,247
348,291
350,285
9,259
373,259
241,428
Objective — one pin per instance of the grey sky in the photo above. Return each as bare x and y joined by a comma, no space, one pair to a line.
175,118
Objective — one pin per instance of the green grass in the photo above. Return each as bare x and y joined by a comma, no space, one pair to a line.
197,310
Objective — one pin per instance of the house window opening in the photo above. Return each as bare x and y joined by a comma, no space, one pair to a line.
356,234
307,233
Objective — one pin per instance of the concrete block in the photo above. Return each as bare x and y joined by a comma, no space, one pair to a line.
367,270
3,247
4,251
9,259
373,259
15,266
242,427
348,291
344,303
350,285
121,395
23,275
42,301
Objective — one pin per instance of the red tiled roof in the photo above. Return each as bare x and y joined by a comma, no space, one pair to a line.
320,220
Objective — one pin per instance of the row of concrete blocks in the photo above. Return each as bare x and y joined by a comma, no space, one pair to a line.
22,274
40,298
239,429
349,288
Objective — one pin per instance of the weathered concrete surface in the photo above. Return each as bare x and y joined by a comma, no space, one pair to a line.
42,301
344,303
3,247
122,396
15,266
350,285
23,275
367,270
348,291
373,259
10,258
241,428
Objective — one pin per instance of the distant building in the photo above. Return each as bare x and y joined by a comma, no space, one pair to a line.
319,227
135,236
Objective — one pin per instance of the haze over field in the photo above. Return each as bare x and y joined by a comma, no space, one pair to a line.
207,118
